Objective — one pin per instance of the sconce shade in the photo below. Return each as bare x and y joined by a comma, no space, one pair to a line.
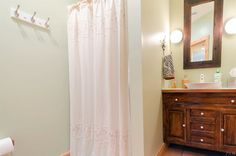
230,26
176,36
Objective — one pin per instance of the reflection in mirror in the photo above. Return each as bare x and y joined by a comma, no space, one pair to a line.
202,24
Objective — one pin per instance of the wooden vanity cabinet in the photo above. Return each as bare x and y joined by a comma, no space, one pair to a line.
176,120
228,130
200,118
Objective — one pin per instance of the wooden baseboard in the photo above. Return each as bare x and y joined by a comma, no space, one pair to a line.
65,154
162,150
160,153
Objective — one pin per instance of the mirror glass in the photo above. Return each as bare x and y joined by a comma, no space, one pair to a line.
202,24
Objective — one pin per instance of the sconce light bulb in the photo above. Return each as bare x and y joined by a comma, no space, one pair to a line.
176,36
230,26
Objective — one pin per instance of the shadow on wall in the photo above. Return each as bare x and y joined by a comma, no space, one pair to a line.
37,30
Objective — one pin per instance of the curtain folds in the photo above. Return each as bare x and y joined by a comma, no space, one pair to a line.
98,66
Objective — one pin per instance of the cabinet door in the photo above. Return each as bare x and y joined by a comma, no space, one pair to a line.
176,126
228,131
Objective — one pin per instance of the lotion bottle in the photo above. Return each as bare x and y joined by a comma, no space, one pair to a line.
185,82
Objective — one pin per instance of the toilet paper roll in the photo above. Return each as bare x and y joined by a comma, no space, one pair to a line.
6,146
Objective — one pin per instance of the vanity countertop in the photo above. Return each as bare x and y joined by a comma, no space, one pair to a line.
182,90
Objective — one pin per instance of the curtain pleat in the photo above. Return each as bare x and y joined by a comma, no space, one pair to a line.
98,62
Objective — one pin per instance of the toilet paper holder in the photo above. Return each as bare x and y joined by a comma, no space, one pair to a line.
13,141
6,145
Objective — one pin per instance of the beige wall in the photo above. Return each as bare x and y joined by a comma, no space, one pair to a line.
34,103
155,19
228,48
135,78
34,97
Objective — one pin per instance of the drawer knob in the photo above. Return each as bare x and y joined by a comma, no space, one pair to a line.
184,125
222,129
202,113
232,101
176,100
201,140
202,127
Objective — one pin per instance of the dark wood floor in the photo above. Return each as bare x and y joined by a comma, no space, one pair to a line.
175,150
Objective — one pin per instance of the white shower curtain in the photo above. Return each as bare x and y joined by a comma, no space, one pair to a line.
98,61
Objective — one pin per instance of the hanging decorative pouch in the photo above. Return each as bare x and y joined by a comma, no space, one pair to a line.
168,67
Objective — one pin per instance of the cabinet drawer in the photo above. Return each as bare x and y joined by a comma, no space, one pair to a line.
203,120
202,127
203,113
202,134
202,140
200,99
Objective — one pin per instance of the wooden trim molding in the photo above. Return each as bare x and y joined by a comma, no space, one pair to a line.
217,33
65,154
199,90
162,150
204,41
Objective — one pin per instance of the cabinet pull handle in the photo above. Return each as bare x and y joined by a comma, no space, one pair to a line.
232,101
184,125
176,100
222,130
202,113
201,140
202,127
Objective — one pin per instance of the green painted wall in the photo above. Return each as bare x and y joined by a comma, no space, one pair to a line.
155,19
135,76
228,45
34,93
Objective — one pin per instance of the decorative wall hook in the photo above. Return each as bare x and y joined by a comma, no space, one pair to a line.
17,11
47,22
25,17
33,17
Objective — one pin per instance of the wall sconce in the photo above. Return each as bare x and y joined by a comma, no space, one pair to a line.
176,36
230,26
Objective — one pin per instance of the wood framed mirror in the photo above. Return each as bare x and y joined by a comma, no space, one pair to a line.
203,26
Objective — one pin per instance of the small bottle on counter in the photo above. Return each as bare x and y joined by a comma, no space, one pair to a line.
217,76
185,82
173,83
202,78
